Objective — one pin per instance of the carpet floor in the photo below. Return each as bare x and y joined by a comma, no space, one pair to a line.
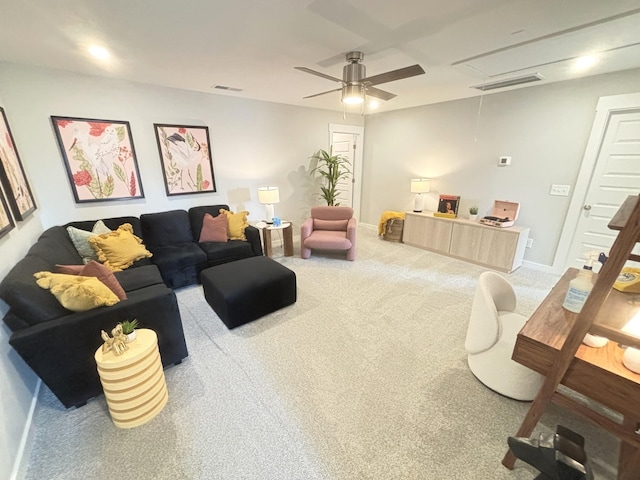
365,377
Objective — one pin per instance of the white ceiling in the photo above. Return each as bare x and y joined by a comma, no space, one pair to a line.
253,45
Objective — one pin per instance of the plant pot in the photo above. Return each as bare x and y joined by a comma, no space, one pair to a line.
131,336
473,217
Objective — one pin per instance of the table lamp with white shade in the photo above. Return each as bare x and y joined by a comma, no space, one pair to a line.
419,186
631,357
268,196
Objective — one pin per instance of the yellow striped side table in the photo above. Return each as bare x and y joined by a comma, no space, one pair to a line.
133,382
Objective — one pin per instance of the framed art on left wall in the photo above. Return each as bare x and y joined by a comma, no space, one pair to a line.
99,158
6,222
12,174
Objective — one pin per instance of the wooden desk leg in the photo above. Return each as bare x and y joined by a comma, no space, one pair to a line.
629,459
266,240
288,241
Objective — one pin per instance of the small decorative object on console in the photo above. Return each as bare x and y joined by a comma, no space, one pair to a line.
504,214
448,206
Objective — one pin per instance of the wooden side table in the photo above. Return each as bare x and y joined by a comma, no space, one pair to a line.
133,382
287,230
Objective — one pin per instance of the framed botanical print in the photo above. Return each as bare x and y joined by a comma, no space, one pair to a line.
12,174
185,155
99,158
6,222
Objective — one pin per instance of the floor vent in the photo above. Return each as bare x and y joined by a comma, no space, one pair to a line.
228,89
509,82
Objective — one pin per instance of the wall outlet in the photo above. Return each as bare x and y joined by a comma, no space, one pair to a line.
560,190
504,161
529,242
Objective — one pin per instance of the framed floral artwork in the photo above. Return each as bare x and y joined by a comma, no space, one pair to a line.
185,154
12,174
6,222
99,158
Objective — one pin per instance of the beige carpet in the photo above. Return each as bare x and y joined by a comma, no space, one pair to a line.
365,377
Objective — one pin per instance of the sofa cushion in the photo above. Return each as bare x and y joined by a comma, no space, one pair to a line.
173,257
80,239
76,293
120,249
237,224
333,225
218,253
166,228
214,229
133,279
112,223
95,269
196,216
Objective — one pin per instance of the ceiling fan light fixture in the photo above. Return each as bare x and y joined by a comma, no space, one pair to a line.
353,94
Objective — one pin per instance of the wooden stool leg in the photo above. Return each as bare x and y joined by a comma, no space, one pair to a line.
629,459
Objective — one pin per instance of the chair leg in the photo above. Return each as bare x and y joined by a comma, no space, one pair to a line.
305,252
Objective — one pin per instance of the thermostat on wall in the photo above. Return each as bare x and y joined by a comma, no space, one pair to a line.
504,161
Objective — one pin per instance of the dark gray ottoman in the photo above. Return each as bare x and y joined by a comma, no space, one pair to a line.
245,290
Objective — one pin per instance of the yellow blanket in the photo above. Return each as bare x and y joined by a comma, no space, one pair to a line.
388,215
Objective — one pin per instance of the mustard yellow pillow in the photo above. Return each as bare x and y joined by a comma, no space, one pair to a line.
237,224
77,293
119,249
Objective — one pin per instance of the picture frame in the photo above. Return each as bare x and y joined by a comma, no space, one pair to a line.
12,175
448,206
99,158
185,157
6,222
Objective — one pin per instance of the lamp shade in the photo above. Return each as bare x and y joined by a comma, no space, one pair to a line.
268,195
420,185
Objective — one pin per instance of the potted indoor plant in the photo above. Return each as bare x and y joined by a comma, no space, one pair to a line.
473,212
129,329
332,169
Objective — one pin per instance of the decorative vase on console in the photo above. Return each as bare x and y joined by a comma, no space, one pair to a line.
473,213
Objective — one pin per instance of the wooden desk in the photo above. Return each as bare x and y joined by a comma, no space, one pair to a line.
596,373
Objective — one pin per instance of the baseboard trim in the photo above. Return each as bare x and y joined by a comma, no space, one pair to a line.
539,267
20,463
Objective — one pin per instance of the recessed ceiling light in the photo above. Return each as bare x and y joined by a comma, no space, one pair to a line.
587,61
99,52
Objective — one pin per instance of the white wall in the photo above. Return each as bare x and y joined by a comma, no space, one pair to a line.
543,128
253,144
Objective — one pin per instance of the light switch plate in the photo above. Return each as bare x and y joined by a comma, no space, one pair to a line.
560,190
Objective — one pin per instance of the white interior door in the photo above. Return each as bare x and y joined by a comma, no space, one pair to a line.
346,140
615,174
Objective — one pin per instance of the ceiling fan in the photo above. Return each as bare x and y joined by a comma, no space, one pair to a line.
355,83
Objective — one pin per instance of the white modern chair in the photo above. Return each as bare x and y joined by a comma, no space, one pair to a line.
493,328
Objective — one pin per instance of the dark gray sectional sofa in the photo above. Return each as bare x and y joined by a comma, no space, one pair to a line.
59,344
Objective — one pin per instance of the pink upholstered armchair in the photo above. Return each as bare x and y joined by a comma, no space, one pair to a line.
329,228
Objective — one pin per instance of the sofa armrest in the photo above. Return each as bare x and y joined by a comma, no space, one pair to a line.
253,237
61,351
306,228
351,230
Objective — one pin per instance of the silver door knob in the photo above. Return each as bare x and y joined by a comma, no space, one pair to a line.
587,207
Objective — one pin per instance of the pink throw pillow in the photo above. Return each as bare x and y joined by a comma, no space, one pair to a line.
214,229
95,269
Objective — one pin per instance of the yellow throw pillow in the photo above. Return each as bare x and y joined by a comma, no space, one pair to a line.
119,249
76,293
237,224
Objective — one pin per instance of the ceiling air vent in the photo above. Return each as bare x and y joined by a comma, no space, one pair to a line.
228,89
509,82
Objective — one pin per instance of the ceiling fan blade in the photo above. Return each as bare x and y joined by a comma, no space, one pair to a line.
323,75
379,94
399,74
324,93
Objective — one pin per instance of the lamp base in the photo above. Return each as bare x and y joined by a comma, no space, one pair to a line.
418,203
270,213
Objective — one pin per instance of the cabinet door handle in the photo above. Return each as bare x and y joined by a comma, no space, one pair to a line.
587,207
